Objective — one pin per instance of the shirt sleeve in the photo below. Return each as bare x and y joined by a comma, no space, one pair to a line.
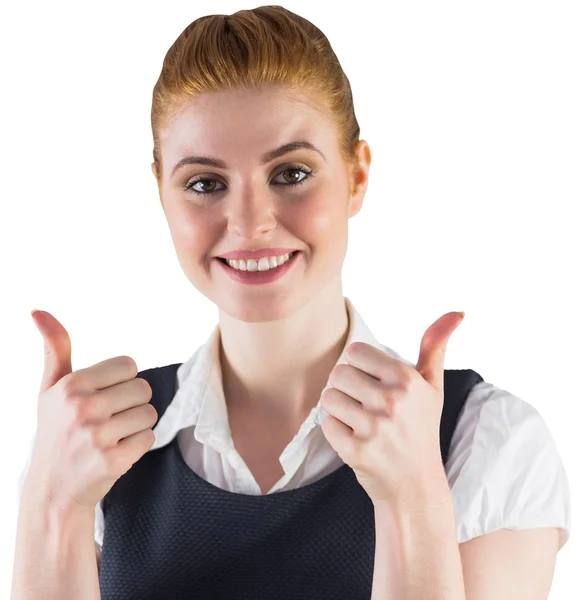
99,525
504,469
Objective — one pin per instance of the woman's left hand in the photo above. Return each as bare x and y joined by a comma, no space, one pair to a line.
384,415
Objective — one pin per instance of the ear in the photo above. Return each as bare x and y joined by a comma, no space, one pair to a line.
359,177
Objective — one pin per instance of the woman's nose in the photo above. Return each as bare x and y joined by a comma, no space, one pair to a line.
251,214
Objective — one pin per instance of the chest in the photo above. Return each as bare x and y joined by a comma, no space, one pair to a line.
260,444
183,537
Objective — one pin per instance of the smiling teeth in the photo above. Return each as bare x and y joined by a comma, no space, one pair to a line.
264,264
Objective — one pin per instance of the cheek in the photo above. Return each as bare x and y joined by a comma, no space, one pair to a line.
323,220
191,229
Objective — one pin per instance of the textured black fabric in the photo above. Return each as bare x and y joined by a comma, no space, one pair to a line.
171,535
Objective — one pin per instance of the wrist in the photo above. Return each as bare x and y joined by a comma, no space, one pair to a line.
432,490
42,500
417,520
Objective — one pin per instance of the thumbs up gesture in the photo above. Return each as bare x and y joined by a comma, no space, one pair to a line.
384,415
93,424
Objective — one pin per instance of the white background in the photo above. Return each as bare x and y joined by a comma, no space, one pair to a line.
472,114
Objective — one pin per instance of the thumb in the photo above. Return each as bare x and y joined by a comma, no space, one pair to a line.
57,348
430,363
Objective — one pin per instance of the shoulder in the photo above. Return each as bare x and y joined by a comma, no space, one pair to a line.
504,468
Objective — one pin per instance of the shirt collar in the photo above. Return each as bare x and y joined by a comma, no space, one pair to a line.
200,400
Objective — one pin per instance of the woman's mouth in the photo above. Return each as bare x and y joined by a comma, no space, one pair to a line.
259,271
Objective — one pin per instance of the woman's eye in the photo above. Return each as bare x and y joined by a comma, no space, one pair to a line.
204,181
209,184
296,172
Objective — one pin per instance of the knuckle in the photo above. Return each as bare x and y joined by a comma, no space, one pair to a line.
152,411
383,395
96,438
150,414
130,363
79,410
405,377
343,368
385,391
337,372
149,438
327,397
145,388
387,400
354,348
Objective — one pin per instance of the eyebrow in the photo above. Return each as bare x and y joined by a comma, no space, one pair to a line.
265,158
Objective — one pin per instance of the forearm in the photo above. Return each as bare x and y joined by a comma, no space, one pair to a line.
416,551
55,553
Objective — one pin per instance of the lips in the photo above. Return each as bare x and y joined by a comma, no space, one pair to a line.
259,277
256,254
292,254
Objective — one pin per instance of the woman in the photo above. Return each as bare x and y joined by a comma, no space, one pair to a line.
294,455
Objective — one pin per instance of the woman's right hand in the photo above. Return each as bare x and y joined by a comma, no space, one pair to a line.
93,424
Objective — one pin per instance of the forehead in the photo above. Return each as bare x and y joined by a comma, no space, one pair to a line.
242,123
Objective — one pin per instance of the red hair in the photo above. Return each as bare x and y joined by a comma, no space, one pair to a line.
268,45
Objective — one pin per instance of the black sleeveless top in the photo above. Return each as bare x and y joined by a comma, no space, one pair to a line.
172,535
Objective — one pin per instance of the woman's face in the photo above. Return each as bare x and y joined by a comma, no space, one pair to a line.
250,202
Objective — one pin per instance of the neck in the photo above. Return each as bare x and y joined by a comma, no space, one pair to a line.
291,358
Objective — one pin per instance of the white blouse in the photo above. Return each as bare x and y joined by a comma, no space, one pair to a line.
503,468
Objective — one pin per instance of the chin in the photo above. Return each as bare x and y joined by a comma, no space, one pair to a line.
269,307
